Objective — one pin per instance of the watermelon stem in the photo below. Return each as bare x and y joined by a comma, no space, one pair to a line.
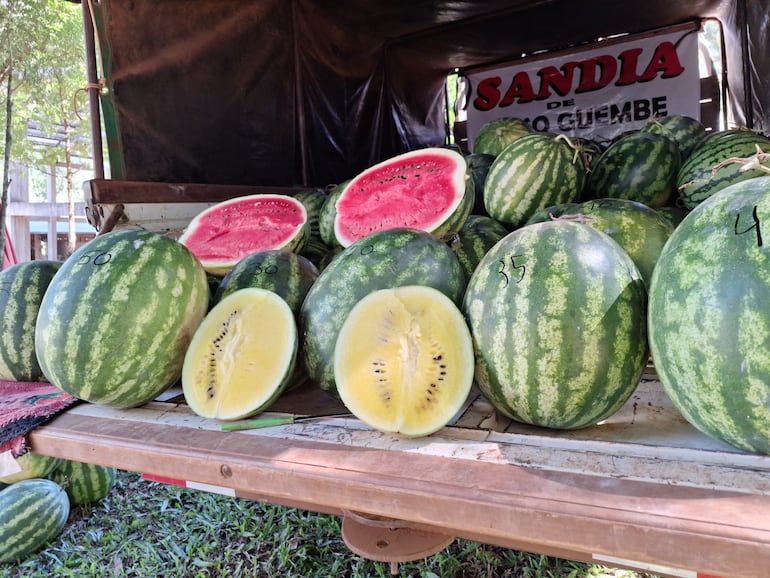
750,162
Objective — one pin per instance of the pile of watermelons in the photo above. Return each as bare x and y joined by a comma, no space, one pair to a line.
35,502
547,270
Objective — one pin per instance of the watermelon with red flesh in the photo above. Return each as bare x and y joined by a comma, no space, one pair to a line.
426,189
225,233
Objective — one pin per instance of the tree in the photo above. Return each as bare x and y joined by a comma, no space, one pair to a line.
43,65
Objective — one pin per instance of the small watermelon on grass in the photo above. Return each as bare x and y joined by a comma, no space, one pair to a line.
242,356
403,360
116,319
32,513
557,314
709,323
226,232
22,287
426,189
33,465
84,483
390,258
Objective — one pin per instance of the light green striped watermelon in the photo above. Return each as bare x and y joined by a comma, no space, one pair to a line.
709,322
685,131
639,230
497,134
557,314
639,166
427,189
533,172
33,465
118,316
390,258
712,164
282,272
84,483
32,513
22,287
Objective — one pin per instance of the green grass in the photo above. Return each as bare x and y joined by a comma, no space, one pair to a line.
149,529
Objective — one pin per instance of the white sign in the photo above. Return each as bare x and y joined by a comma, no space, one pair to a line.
602,91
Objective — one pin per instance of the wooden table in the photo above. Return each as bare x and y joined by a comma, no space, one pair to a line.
642,490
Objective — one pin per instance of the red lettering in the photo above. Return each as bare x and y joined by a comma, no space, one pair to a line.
606,66
488,94
521,88
665,60
560,79
629,59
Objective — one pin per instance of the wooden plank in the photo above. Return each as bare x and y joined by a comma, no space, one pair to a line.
469,482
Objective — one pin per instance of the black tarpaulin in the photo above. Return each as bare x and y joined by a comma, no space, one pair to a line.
308,93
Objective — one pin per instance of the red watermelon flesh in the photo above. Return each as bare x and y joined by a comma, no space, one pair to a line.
223,234
421,189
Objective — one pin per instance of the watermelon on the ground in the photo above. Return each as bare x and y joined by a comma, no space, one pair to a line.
116,320
224,233
426,189
22,287
84,483
557,314
32,513
390,258
709,322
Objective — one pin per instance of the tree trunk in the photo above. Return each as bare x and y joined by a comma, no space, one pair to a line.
70,175
6,160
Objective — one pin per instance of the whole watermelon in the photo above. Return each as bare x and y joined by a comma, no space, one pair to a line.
639,166
533,172
685,131
557,314
118,316
383,260
709,322
22,287
497,134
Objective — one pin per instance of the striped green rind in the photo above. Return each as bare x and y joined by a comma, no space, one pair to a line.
22,287
557,313
84,483
639,166
387,259
313,200
639,230
285,273
685,131
32,513
708,168
32,465
709,325
533,172
118,316
328,214
497,134
478,235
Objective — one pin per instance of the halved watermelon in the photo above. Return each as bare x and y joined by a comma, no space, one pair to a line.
426,189
223,234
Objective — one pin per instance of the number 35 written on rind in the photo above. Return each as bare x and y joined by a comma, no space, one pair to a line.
511,271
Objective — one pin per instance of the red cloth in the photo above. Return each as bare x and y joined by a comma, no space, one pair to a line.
25,406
